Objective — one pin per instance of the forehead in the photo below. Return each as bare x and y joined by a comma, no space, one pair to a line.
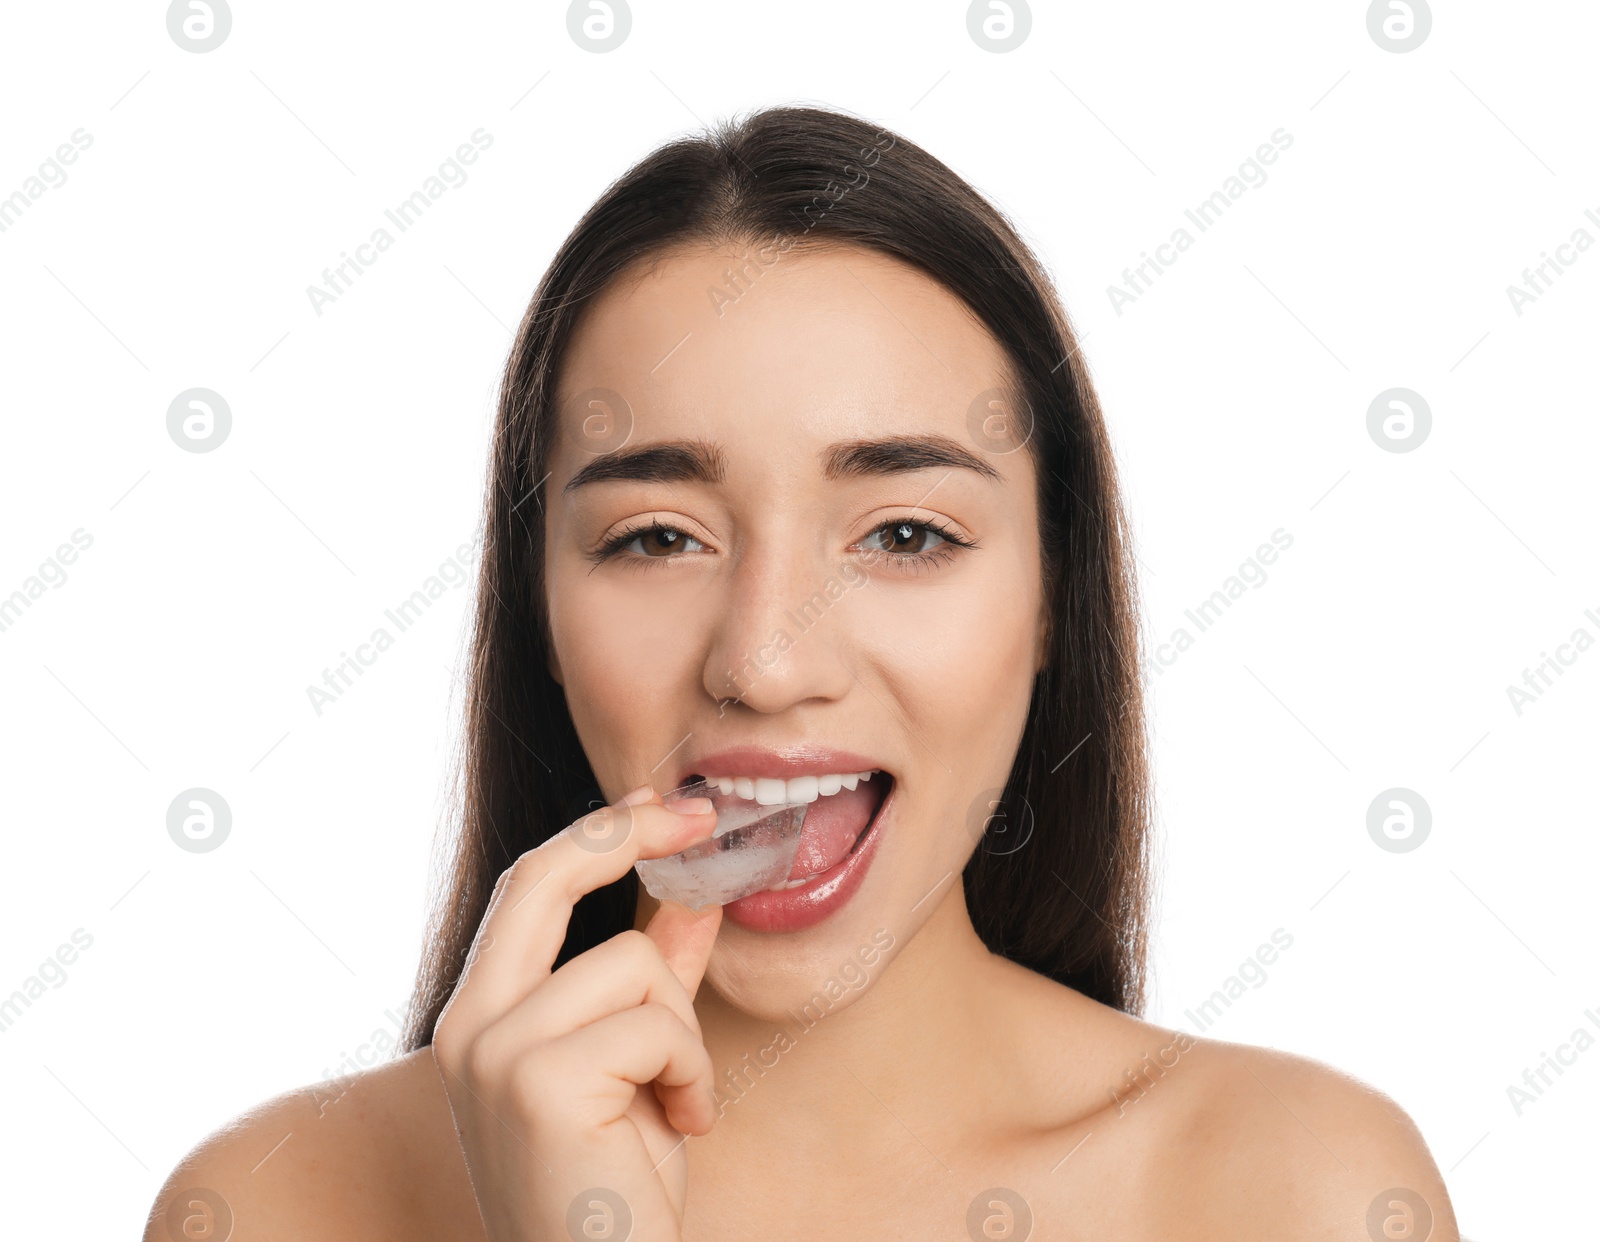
752,347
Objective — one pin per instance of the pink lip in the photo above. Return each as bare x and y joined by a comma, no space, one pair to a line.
795,909
800,760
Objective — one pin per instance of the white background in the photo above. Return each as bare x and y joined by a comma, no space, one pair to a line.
219,585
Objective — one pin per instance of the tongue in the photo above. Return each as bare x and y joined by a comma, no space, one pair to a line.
832,825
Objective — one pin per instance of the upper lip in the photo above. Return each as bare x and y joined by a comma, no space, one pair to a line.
790,761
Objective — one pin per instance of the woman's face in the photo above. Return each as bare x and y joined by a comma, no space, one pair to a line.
802,597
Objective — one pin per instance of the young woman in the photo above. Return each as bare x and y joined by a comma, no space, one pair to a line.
798,475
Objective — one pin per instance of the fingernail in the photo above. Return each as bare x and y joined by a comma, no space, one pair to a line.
641,794
690,806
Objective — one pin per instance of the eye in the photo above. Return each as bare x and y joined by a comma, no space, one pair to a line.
902,543
655,542
907,546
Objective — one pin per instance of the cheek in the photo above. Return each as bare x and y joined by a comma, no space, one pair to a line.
960,668
960,659
622,668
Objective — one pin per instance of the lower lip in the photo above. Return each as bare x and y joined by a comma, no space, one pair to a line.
794,909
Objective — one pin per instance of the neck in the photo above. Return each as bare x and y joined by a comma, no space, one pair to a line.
859,1059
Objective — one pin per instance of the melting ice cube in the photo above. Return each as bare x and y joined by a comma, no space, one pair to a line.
751,848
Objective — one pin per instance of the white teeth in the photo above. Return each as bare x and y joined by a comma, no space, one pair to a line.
769,790
801,787
778,888
774,791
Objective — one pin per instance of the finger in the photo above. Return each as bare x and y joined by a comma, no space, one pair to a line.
684,938
645,1044
525,926
623,972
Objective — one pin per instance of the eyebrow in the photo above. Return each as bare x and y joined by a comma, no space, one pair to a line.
698,461
897,454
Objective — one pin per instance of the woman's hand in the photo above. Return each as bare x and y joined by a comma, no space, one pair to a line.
543,1069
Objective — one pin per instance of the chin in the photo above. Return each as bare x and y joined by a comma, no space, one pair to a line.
795,979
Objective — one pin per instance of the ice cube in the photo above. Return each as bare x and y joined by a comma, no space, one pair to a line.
751,848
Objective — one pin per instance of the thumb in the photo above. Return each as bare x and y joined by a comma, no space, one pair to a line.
685,937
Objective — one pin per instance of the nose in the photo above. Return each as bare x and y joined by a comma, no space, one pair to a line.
782,633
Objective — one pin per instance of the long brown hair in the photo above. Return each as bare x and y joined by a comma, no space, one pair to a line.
1072,903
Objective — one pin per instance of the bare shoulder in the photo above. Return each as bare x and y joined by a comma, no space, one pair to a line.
1267,1143
372,1155
1174,1135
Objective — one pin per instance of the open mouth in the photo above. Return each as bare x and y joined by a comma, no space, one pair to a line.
836,821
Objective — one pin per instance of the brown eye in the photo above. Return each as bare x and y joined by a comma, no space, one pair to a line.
906,538
660,539
654,542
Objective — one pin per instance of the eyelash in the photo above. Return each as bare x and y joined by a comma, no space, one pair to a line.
904,562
